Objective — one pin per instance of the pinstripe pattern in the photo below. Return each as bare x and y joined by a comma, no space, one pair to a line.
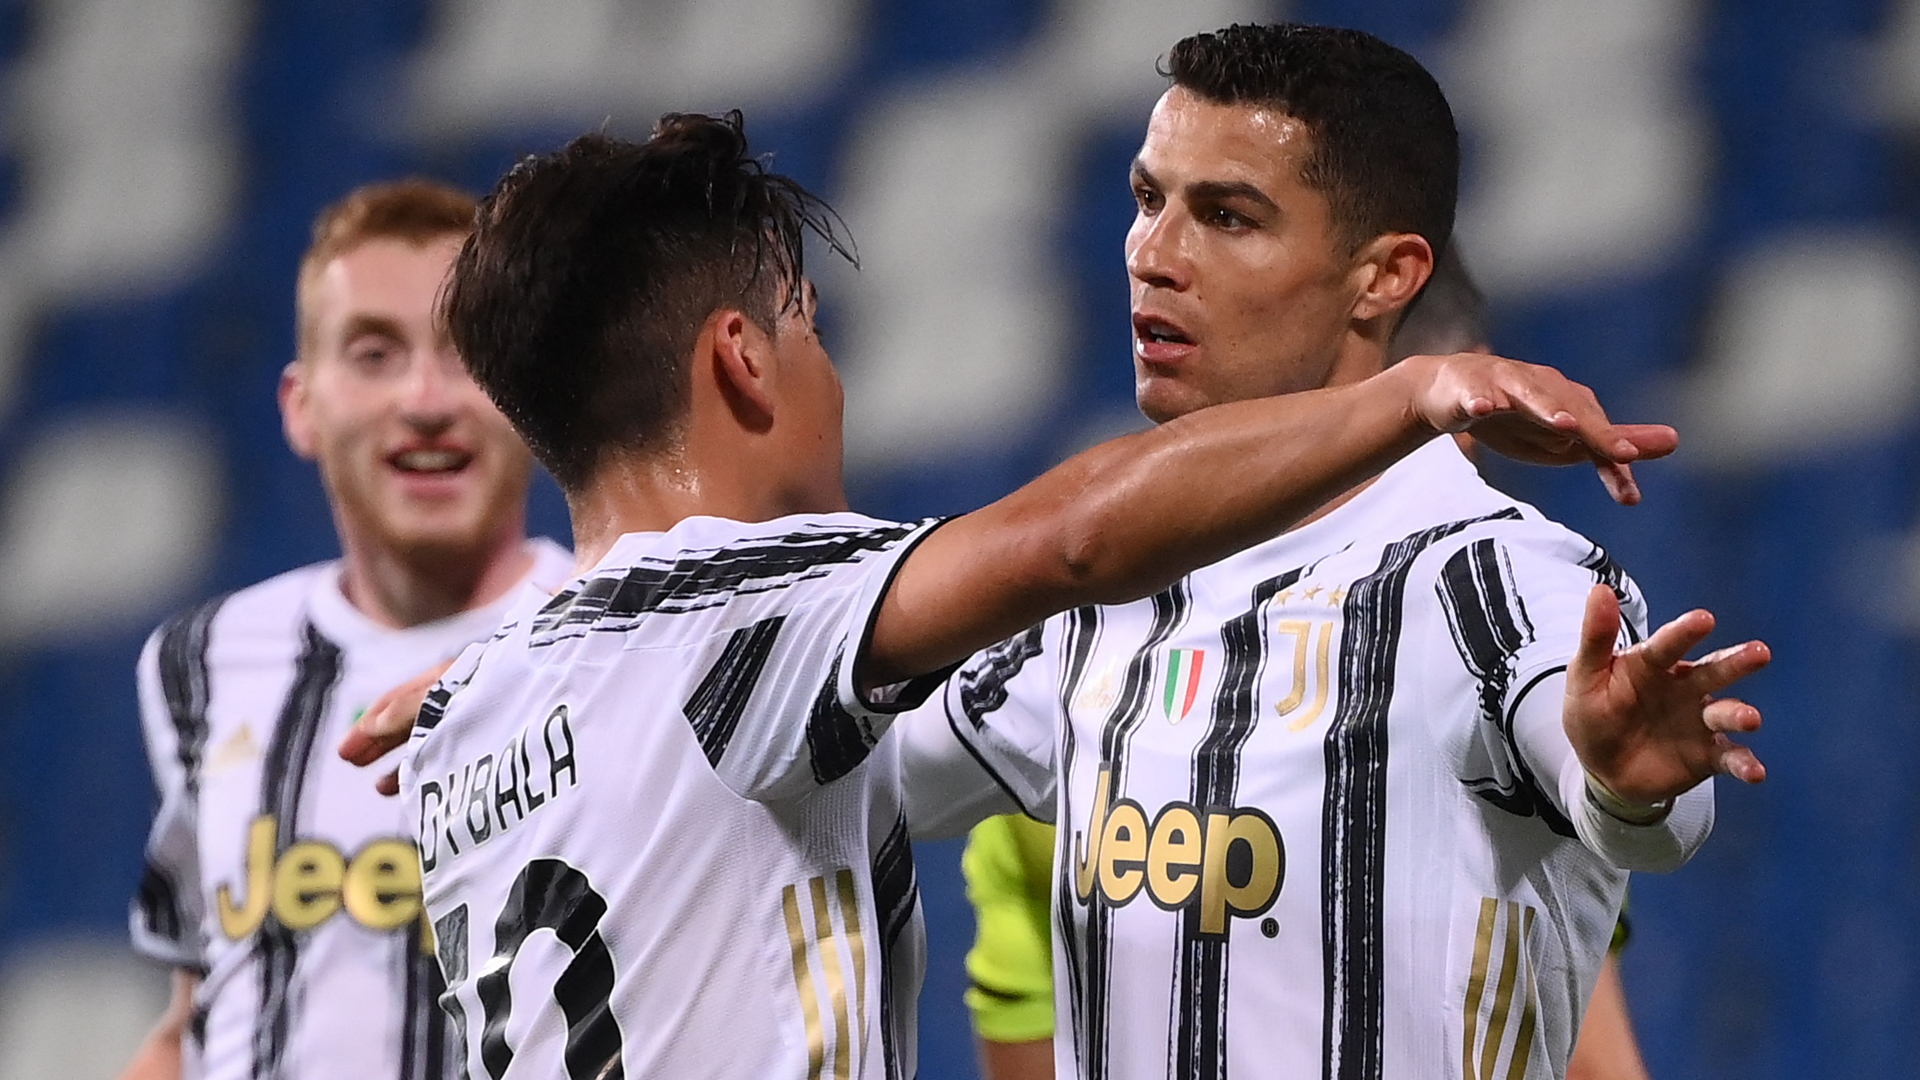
1199,1048
1082,634
698,580
1170,610
1354,815
716,705
282,782
1489,624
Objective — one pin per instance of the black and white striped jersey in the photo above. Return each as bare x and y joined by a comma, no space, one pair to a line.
1318,815
661,833
274,870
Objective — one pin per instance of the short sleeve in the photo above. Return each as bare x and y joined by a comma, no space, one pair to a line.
775,701
1510,634
1003,706
1010,966
166,914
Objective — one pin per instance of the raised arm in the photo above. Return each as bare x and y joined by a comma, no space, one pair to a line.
1129,516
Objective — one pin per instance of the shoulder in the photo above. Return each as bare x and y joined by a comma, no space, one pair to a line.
1468,515
706,563
264,612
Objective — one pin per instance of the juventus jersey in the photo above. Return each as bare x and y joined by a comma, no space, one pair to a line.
274,870
1318,816
661,834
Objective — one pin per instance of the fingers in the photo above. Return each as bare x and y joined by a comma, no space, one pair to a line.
1730,714
1651,440
1737,761
1670,644
1618,478
388,784
381,730
388,722
1599,629
1724,667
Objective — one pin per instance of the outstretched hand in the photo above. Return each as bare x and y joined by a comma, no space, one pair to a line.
1644,720
1534,414
387,723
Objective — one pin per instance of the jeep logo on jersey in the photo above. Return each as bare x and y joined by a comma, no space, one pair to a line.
1182,683
311,881
1230,861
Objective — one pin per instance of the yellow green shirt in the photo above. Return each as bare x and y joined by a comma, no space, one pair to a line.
1009,870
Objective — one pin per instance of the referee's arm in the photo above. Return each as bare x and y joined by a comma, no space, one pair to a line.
1128,517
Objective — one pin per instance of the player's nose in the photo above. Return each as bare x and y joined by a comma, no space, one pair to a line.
429,395
1156,254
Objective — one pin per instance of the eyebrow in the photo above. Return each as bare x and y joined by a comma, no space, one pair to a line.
1211,190
360,324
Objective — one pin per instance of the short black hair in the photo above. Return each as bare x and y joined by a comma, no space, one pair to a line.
1385,151
1448,316
577,299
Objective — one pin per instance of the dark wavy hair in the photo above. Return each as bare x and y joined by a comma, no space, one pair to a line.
576,301
1385,152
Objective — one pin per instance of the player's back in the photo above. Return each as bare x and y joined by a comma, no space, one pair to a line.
665,768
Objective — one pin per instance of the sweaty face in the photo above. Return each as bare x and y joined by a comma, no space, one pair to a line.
414,456
1240,281
813,404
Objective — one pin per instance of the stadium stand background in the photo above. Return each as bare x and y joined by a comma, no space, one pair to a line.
1706,209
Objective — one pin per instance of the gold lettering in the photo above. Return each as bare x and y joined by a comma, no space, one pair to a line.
1302,631
306,885
382,886
237,923
1123,852
1230,862
1087,844
1219,895
1321,681
1173,856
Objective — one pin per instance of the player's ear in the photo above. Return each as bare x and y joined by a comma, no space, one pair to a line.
294,403
739,356
1388,272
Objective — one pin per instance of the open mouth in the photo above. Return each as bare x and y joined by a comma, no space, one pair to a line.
430,461
1161,341
1161,332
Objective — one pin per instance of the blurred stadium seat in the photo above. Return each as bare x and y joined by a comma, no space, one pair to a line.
1709,210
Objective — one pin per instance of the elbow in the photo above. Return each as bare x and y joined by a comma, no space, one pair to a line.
1090,568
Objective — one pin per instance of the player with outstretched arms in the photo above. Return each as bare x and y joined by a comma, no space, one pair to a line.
1008,863
1358,802
283,890
662,832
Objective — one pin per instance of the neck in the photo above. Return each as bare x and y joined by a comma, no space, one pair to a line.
1362,355
653,492
404,588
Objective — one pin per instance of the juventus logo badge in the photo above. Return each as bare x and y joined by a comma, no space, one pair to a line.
1182,683
1308,698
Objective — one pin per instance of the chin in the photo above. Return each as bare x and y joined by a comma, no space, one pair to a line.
1161,400
440,535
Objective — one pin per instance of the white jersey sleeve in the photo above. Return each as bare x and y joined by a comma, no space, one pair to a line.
987,745
770,619
166,915
1514,603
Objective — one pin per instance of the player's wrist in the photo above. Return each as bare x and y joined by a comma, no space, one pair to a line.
1620,808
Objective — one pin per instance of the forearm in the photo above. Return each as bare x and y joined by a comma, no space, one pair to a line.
1136,514
1131,516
